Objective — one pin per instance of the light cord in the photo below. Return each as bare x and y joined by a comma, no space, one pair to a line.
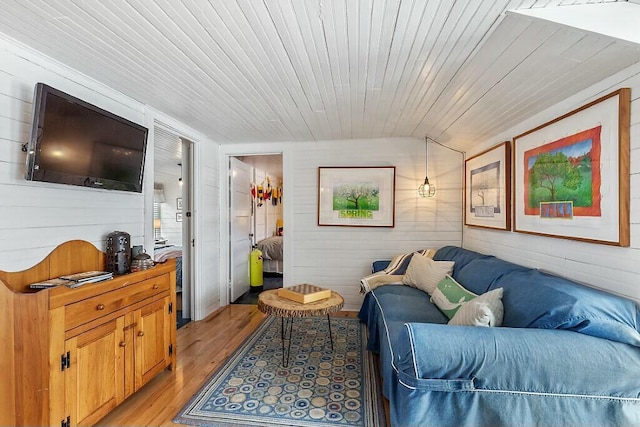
426,158
464,153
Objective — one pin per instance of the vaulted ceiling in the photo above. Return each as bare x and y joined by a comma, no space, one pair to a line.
294,70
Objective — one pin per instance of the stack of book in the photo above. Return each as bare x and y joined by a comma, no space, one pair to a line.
74,280
87,277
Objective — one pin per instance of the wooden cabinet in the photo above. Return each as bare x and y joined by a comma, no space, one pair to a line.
89,348
93,385
152,340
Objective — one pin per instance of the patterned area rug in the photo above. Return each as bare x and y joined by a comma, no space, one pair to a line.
319,388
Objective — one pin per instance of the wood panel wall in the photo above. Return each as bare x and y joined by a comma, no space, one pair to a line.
611,268
167,173
338,257
37,216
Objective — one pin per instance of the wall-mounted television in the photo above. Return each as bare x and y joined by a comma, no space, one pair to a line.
74,142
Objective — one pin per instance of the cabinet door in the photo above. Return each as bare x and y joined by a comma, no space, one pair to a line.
94,380
152,340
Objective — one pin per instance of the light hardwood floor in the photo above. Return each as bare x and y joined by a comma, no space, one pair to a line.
202,348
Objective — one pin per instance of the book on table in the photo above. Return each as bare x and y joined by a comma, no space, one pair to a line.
73,280
88,276
304,293
51,283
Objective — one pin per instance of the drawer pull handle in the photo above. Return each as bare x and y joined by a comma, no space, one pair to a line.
156,286
123,344
141,333
100,307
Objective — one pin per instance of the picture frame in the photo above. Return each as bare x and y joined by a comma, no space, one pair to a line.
360,196
487,188
572,174
178,216
179,203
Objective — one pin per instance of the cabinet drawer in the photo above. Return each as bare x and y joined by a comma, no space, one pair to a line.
92,308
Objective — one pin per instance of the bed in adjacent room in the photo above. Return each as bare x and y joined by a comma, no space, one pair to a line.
272,258
165,252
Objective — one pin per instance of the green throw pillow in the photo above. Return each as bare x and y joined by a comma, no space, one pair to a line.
449,295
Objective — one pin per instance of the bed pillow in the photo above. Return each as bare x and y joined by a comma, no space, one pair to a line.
483,310
425,274
449,296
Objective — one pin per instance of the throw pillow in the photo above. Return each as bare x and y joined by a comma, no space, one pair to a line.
449,295
399,263
483,310
425,274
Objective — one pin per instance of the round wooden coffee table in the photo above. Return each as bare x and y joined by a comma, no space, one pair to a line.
270,303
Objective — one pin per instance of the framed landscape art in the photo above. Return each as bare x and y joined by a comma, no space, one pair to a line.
356,196
572,174
488,188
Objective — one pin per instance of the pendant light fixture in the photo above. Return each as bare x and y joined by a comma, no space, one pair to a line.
426,189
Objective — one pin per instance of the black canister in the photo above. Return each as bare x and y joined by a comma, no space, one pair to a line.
118,252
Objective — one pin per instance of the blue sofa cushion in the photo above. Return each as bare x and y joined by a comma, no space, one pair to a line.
402,304
380,265
481,273
533,299
407,304
385,311
461,257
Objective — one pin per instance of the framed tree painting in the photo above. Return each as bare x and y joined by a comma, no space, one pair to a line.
356,196
488,188
572,174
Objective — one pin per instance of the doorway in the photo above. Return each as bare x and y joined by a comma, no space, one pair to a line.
256,222
172,207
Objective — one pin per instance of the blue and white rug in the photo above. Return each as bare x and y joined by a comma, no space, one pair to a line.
320,388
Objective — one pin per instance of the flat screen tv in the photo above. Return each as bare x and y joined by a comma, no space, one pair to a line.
74,142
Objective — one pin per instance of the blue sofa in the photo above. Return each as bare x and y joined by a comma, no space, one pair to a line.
566,354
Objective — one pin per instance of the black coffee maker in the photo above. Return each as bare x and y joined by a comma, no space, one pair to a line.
118,252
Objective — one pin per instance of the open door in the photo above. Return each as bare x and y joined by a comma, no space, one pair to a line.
187,231
172,207
239,226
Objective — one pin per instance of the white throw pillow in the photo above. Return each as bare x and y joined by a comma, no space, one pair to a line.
425,274
483,310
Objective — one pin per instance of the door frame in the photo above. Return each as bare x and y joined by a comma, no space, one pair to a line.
256,149
193,183
246,281
188,235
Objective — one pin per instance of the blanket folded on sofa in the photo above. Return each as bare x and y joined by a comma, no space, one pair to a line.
393,273
378,279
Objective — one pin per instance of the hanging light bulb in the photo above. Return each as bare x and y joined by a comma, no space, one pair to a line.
426,189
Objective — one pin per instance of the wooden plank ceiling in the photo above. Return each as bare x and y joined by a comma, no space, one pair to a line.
295,70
